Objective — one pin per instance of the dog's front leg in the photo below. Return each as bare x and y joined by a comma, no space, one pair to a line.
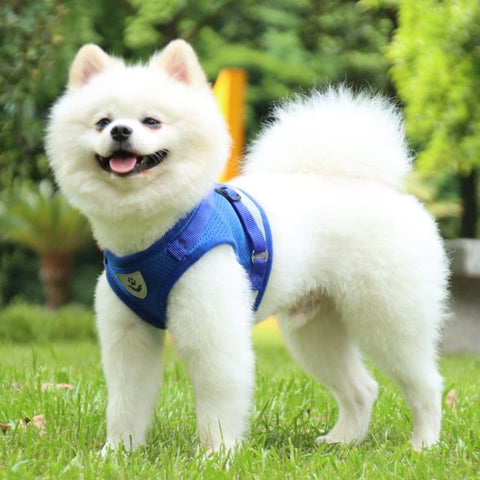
210,319
131,358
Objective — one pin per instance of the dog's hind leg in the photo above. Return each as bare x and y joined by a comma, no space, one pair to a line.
131,358
408,356
422,387
318,340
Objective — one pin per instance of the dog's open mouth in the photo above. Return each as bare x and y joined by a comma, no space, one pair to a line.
125,163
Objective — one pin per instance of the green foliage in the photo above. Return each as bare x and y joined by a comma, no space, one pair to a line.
24,323
425,187
37,43
19,281
38,40
19,275
41,220
284,46
28,44
436,69
93,22
438,192
290,409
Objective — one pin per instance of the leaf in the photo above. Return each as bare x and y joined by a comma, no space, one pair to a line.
4,427
65,386
37,421
59,386
46,386
452,400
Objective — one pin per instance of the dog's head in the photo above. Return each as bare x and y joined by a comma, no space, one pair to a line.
129,138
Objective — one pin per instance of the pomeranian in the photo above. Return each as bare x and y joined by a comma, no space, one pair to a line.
317,230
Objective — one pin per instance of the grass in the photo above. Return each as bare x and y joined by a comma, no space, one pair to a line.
290,410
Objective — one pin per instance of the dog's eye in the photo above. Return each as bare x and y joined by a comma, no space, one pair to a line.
151,122
102,123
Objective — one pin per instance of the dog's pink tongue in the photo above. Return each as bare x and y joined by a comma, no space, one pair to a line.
122,164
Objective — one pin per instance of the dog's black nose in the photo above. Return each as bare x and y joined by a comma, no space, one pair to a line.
120,133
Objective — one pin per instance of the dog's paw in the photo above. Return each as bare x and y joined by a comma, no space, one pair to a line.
424,445
222,458
222,453
107,449
332,439
111,447
327,439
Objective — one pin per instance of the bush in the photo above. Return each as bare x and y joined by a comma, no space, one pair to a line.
21,322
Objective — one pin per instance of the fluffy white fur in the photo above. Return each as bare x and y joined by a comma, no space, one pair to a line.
332,132
359,267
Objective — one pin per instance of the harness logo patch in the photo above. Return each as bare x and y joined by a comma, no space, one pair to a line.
134,283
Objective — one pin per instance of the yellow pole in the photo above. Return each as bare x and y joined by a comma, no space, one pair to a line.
229,91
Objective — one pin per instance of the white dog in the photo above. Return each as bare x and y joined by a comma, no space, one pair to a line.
358,265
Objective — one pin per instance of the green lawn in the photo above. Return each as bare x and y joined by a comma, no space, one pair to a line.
290,410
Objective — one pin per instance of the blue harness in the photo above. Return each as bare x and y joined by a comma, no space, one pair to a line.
226,215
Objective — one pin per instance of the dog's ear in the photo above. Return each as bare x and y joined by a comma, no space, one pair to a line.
90,61
180,62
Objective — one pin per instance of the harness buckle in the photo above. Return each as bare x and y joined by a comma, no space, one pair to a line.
259,256
229,193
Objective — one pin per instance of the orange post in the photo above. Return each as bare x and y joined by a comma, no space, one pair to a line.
229,91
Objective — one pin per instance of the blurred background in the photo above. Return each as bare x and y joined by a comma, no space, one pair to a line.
424,53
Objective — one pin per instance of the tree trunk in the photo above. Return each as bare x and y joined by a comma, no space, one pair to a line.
469,196
56,277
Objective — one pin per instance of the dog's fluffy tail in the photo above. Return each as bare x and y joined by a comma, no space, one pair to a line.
334,132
